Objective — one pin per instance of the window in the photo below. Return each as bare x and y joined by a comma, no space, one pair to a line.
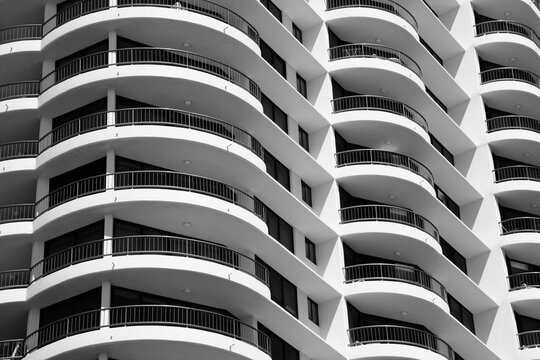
282,291
453,255
297,33
311,252
277,170
447,201
301,85
313,311
273,59
274,10
306,194
437,100
440,148
280,230
303,138
281,350
461,313
275,114
431,51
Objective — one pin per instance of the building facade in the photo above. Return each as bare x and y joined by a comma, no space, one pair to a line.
270,180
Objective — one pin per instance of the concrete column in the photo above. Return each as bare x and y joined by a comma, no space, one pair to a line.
47,66
111,106
293,129
299,245
296,184
105,303
45,126
103,356
42,189
32,323
50,10
38,253
108,234
110,168
112,47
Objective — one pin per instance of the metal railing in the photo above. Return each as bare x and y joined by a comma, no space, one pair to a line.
387,213
390,334
11,349
154,315
384,157
20,212
508,122
386,5
20,32
204,7
150,179
150,245
394,272
510,73
377,103
151,116
19,90
19,149
524,280
505,26
374,51
517,172
525,224
14,279
529,339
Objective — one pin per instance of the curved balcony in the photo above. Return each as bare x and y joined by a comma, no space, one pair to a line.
13,279
149,245
520,225
154,56
389,334
21,212
392,272
147,315
505,26
374,51
384,5
512,122
510,73
19,90
20,32
150,116
203,7
150,179
524,280
529,339
377,103
517,172
382,157
390,214
18,150
11,349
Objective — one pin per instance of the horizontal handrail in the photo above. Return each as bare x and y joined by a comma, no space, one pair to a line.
386,5
204,7
517,172
150,116
523,224
150,179
506,26
528,339
19,149
11,349
384,157
524,280
394,272
365,50
19,212
19,90
508,122
14,279
140,315
387,213
149,245
378,103
390,334
510,73
20,32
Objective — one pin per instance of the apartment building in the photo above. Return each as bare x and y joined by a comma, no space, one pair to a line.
269,180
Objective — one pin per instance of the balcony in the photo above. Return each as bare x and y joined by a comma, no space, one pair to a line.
18,150
374,51
14,213
14,279
21,89
520,225
529,339
517,172
391,272
20,32
512,122
388,334
511,74
11,349
382,157
524,280
509,27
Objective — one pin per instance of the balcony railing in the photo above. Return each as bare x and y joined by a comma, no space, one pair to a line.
20,32
393,272
374,51
149,55
19,90
517,172
11,349
529,339
21,212
382,157
520,225
524,280
505,26
149,315
385,5
510,73
149,245
204,7
389,334
387,213
20,149
150,179
151,116
14,279
378,103
509,122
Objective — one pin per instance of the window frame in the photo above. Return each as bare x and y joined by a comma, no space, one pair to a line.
297,33
313,311
306,193
311,250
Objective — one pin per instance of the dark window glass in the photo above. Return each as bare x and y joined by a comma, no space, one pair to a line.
90,300
453,255
303,138
277,170
301,85
272,8
90,170
80,236
92,108
311,251
274,113
440,148
437,100
273,59
306,194
280,230
447,201
313,311
297,33
281,350
431,51
461,313
282,291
